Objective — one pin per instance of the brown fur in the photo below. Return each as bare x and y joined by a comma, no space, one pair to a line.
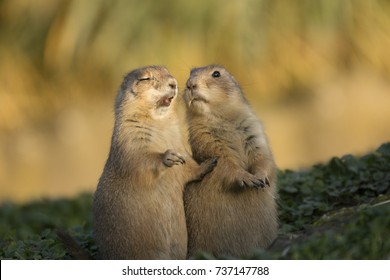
233,210
138,205
73,248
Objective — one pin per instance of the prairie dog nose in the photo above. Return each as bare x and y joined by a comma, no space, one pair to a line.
191,84
172,83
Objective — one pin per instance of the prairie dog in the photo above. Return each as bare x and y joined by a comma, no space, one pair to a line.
233,210
138,206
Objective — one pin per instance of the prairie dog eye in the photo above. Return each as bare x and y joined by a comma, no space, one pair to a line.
144,79
216,74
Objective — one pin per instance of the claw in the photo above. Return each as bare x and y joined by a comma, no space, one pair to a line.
171,158
261,183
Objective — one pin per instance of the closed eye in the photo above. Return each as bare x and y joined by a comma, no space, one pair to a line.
144,79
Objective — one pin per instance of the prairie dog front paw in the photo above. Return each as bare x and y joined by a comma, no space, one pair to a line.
208,165
246,179
171,158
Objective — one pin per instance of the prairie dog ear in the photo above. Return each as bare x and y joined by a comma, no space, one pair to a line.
126,91
127,83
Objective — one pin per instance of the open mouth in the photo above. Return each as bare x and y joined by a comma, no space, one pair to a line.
166,100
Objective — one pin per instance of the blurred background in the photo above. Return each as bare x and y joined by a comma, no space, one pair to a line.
316,72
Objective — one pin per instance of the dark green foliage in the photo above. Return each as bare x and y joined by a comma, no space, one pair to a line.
29,231
307,195
338,210
362,234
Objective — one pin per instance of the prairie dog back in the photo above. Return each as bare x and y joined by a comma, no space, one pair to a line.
232,211
138,205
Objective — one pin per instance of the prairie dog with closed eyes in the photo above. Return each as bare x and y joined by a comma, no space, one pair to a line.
138,206
233,210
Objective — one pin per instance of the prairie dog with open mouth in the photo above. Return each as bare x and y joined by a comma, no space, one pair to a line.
138,206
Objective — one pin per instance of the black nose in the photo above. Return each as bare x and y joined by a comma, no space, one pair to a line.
172,83
191,85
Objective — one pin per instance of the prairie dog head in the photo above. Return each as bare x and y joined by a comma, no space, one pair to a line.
211,88
148,91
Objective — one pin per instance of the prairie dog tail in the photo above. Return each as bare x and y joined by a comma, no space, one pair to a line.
75,250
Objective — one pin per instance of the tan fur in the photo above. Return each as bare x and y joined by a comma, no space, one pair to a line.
233,210
138,205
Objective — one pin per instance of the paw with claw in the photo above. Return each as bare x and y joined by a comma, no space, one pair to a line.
208,165
171,158
245,179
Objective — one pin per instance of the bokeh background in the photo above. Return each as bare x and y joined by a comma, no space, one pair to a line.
316,72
